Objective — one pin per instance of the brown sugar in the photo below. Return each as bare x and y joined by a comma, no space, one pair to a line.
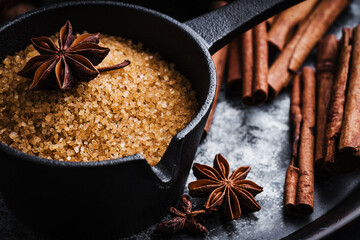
137,109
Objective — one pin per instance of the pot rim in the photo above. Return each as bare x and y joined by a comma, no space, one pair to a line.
135,157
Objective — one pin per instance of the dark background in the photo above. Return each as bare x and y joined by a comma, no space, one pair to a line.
178,9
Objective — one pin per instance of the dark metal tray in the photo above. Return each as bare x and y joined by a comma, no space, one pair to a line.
259,137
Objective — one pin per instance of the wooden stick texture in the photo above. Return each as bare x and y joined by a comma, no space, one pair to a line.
287,20
321,19
261,65
305,193
292,173
300,45
234,74
247,64
336,109
327,53
350,131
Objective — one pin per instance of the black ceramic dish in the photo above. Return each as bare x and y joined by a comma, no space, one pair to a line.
120,196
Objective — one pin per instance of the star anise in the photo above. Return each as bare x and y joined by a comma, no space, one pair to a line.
233,193
185,219
74,58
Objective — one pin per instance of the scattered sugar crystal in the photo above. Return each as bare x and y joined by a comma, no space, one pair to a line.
13,135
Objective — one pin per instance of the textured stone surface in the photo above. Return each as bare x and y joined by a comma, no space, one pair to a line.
256,136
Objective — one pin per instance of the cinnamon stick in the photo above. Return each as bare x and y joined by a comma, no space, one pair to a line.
336,109
292,173
260,70
219,59
280,72
350,131
279,76
246,40
305,193
291,184
319,21
270,21
327,53
234,75
287,20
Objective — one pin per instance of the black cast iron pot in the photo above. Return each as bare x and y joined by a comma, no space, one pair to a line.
121,196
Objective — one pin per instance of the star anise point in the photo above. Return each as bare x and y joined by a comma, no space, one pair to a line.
73,58
184,219
232,193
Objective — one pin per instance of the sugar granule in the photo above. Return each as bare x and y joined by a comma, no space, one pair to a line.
137,109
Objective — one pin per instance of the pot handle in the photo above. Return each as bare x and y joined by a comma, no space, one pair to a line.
218,27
